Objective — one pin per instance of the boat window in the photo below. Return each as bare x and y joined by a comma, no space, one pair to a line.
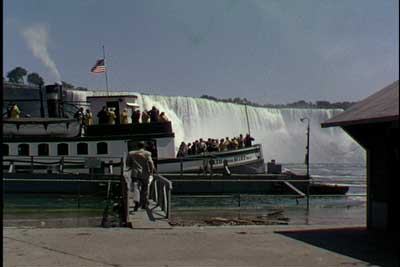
43,149
82,148
23,150
102,148
62,149
6,150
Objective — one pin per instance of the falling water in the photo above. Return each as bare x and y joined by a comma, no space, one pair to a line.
280,131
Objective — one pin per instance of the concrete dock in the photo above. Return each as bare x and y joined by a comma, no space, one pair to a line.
197,246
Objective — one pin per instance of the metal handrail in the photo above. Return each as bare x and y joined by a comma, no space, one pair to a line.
160,193
211,155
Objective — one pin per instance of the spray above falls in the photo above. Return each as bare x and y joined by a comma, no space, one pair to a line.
36,38
280,131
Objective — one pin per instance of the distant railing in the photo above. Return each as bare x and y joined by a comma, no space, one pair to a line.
62,164
212,158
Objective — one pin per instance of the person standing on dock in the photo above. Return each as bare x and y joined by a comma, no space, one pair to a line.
141,165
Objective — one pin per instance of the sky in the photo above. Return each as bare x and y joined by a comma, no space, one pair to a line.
271,52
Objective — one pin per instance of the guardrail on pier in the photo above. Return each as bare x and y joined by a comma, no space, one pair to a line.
160,193
160,190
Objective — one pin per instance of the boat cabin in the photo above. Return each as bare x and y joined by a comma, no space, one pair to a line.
116,102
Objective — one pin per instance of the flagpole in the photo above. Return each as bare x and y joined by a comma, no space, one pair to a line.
105,72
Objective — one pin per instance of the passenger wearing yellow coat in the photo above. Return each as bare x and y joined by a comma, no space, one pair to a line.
111,116
125,116
14,113
88,118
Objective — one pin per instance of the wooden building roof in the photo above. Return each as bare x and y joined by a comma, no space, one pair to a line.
382,106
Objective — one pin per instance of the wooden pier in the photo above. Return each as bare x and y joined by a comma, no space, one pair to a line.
87,176
157,214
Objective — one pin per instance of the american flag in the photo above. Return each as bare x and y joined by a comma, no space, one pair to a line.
99,67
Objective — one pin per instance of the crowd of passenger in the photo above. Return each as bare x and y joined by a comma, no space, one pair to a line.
108,116
214,145
146,116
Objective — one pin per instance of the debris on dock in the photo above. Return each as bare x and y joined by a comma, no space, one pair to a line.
275,217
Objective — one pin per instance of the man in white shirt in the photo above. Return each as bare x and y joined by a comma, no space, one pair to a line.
142,167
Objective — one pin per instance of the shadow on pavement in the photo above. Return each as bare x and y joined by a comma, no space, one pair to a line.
374,248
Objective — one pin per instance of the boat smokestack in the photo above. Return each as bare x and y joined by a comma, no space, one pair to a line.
54,99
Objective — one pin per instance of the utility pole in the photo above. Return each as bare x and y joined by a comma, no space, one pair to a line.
307,158
307,161
247,119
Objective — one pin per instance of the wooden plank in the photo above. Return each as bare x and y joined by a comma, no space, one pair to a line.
151,218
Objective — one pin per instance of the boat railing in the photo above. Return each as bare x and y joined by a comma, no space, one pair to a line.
211,158
160,191
62,164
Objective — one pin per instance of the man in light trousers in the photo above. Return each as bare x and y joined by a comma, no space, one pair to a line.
142,167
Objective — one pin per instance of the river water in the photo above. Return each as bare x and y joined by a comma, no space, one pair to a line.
56,210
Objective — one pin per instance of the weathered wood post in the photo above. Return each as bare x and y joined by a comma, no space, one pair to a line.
165,203
124,199
124,193
169,203
122,166
155,190
308,194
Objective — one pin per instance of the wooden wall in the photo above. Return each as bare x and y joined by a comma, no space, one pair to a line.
381,143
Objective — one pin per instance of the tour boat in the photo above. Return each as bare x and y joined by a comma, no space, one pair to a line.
56,136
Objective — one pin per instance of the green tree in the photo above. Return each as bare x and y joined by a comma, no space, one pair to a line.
67,85
17,75
34,78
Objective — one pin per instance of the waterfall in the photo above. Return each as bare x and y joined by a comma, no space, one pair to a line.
280,131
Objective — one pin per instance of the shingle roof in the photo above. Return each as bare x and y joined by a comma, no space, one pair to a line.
379,107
